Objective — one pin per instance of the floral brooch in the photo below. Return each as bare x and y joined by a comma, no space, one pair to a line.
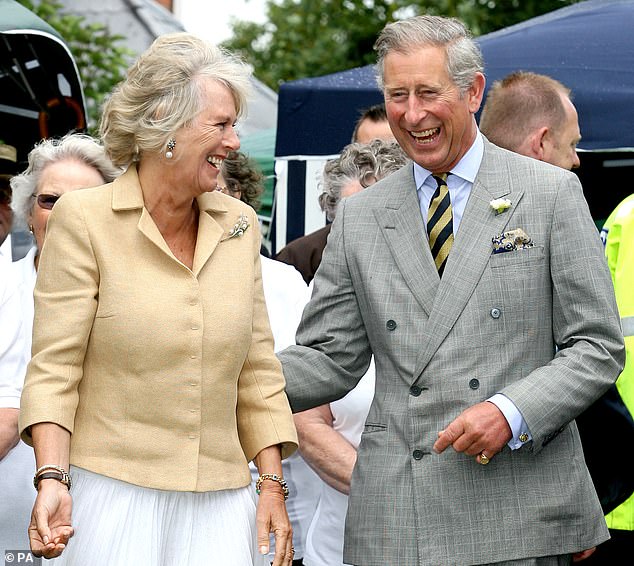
240,227
500,205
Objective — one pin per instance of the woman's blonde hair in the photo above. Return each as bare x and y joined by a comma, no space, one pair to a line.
162,93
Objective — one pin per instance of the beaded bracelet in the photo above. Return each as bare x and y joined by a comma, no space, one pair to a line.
272,477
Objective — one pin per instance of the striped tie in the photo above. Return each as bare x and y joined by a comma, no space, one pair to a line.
440,223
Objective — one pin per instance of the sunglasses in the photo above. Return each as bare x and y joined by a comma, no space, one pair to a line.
46,201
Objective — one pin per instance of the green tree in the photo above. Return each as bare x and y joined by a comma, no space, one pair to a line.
307,38
100,59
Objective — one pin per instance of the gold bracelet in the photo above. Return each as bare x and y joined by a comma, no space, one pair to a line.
272,477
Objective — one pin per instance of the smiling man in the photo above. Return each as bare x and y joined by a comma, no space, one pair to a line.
491,327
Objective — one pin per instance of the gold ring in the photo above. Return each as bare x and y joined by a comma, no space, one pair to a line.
484,460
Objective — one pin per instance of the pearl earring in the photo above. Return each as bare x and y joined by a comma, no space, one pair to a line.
170,148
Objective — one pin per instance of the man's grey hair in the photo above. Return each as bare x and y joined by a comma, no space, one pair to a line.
365,163
464,58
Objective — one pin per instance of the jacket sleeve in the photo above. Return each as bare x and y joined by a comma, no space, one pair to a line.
586,329
65,305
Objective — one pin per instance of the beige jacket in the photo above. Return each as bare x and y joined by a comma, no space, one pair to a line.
165,377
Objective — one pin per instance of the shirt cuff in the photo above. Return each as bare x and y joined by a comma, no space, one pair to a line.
521,434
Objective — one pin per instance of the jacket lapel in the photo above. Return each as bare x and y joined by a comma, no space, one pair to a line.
210,231
402,226
127,195
471,251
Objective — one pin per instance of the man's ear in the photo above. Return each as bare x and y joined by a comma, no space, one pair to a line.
538,142
475,93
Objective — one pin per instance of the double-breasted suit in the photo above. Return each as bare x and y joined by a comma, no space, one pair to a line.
538,325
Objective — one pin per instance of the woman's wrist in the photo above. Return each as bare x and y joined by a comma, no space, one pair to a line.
52,472
272,479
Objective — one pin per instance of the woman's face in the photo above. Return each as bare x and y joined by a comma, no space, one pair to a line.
56,179
202,146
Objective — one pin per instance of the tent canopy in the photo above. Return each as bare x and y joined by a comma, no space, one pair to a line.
317,116
40,88
588,47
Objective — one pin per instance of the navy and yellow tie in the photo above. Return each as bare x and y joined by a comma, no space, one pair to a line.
440,223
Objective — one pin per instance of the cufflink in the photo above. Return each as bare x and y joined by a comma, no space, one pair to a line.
523,437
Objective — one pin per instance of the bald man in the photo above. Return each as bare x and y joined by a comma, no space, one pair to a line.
533,115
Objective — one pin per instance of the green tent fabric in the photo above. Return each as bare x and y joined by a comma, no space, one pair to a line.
260,146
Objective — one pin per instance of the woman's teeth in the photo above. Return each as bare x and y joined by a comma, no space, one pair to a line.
215,161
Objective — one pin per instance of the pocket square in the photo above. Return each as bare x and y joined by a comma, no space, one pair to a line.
511,241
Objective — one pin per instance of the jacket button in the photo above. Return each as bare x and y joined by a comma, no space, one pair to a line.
474,383
418,454
390,324
495,313
415,391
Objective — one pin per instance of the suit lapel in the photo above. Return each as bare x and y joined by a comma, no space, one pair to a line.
471,251
402,226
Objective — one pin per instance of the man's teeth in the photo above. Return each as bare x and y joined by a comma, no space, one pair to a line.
425,135
215,161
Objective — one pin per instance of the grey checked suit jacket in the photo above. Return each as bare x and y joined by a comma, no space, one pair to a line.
491,325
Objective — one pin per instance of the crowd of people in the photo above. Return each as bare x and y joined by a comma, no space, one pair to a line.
427,380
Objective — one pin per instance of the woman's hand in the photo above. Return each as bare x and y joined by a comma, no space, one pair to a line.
50,527
271,517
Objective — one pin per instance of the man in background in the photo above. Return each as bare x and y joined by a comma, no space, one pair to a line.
533,115
618,236
372,125
8,159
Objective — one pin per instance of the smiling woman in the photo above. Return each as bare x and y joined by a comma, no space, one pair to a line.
184,402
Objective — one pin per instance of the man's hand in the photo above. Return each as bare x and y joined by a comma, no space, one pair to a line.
481,429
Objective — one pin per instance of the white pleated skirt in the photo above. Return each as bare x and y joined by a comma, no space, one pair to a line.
120,524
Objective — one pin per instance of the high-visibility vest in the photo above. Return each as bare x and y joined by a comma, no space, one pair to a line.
618,236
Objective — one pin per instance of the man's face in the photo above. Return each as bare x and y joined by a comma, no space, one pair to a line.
560,146
431,120
370,130
6,214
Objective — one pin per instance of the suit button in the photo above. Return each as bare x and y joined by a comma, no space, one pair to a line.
390,324
474,383
495,313
418,454
415,391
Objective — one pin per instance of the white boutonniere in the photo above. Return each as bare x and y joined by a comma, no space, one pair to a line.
240,227
500,205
